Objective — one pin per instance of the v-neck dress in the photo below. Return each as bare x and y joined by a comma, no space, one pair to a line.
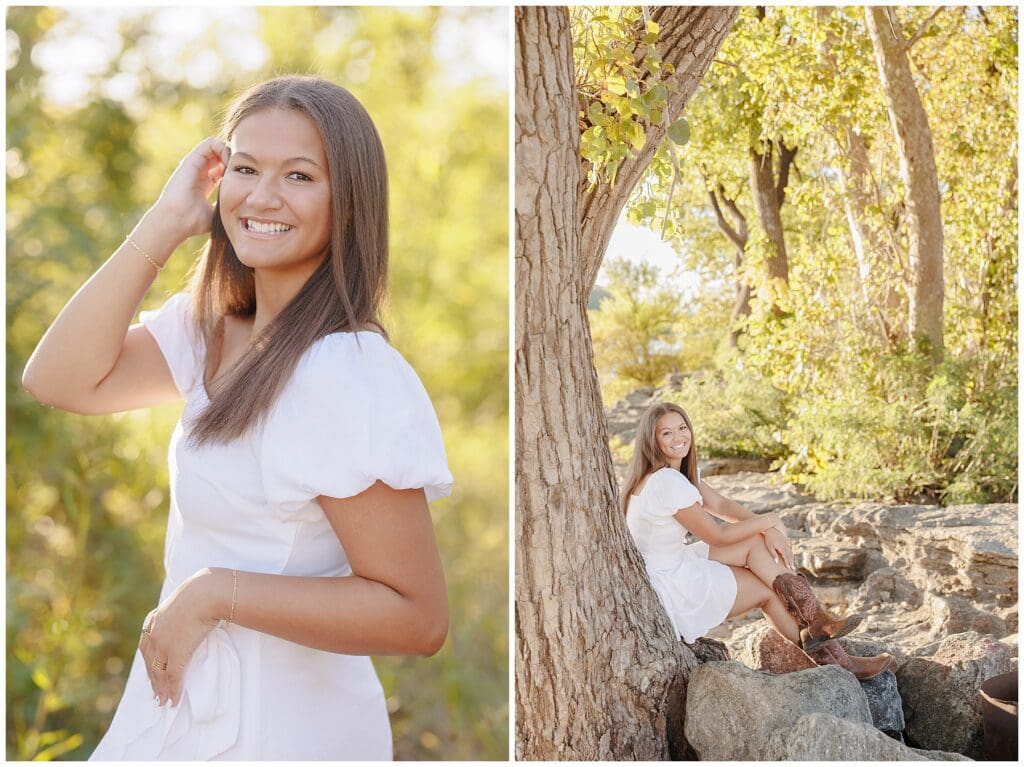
353,412
697,592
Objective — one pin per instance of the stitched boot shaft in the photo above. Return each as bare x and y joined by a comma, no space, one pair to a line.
816,624
832,653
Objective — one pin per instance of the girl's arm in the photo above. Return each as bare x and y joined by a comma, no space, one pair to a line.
722,507
729,510
394,603
700,523
90,361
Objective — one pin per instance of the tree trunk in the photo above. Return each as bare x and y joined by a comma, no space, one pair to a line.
599,674
918,173
769,193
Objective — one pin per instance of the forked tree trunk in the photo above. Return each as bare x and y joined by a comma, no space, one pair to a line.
918,173
599,674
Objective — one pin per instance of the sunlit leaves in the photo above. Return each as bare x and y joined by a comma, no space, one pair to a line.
618,71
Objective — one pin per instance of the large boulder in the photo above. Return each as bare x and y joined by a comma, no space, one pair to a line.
825,738
731,711
940,693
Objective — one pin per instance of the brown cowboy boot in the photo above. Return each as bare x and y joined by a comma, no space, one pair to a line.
816,625
832,653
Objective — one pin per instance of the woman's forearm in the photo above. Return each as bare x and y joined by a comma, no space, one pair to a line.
734,512
747,528
348,614
82,345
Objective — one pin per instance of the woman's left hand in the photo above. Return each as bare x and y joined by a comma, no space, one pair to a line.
778,544
173,631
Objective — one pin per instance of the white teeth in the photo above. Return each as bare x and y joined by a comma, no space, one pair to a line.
258,226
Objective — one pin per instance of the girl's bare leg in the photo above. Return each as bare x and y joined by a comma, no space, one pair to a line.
752,554
751,592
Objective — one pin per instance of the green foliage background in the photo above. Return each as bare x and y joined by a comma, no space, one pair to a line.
87,497
818,387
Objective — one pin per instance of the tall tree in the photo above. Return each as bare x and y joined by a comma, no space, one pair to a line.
918,173
599,674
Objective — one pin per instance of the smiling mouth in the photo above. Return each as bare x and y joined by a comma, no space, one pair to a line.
262,227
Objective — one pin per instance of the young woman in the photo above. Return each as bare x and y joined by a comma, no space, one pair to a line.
733,568
299,539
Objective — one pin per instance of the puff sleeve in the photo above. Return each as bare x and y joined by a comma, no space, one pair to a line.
673,492
353,413
174,328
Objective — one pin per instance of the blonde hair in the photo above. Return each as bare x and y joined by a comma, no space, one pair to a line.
346,291
647,456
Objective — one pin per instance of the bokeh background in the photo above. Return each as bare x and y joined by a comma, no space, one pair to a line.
100,109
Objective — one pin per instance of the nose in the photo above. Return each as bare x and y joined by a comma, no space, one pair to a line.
264,194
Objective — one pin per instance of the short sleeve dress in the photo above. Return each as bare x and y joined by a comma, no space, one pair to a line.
697,592
354,412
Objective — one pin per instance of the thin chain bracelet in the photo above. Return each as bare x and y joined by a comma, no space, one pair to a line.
135,245
234,593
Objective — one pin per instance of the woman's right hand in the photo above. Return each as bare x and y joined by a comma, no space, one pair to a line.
185,197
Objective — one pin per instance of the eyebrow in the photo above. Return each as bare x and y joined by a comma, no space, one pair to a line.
290,159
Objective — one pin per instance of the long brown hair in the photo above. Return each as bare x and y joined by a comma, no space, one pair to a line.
346,291
647,456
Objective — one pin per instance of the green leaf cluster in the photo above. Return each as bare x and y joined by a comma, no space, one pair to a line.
620,84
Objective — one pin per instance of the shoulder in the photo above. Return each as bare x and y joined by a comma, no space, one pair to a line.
361,367
669,477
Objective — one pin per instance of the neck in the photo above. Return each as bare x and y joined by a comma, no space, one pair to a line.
274,291
675,463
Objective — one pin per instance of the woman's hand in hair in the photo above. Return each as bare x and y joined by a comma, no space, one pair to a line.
185,197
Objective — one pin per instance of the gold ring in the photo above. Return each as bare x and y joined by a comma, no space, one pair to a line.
159,665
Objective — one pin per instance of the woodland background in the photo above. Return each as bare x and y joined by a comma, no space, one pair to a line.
781,190
87,497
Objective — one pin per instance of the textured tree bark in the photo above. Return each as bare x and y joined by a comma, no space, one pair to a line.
599,674
918,173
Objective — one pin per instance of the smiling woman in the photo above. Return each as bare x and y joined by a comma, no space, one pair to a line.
299,539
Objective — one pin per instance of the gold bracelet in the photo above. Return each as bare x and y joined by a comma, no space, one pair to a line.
234,593
132,242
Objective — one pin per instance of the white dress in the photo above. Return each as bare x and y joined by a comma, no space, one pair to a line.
354,412
697,592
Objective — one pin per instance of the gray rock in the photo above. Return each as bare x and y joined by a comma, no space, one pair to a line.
760,492
831,560
885,703
707,649
822,737
731,711
940,694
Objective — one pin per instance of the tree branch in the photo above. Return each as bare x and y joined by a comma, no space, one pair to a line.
727,230
786,156
924,28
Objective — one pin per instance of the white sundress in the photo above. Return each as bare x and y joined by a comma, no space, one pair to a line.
354,412
697,592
